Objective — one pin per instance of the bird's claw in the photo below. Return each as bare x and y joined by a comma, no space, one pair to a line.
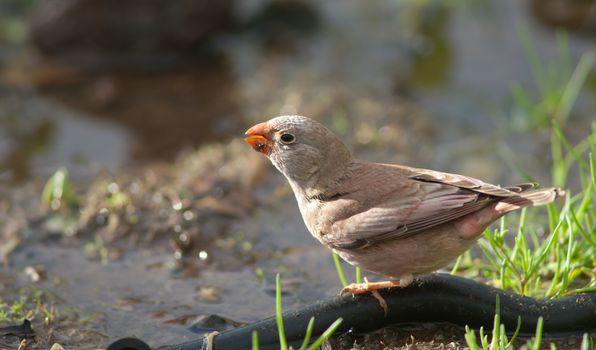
356,288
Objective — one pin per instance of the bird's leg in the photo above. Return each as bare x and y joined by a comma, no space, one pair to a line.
360,288
373,288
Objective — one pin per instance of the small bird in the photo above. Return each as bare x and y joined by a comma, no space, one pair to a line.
392,220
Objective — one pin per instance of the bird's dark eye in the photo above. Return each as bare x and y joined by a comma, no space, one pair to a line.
287,138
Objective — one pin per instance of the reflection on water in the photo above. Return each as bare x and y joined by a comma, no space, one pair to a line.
166,111
38,136
21,144
431,57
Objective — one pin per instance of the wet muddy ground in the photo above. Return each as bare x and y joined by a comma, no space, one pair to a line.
166,243
179,280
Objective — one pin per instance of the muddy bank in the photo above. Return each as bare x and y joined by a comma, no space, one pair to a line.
150,257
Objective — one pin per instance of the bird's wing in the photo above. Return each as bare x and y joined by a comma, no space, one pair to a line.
469,183
423,200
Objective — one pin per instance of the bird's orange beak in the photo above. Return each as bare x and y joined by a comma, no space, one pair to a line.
259,138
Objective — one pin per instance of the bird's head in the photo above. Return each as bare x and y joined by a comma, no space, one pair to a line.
304,150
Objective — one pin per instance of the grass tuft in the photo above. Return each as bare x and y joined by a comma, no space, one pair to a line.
558,257
499,335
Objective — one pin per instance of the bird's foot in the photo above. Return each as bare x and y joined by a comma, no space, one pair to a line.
360,288
373,289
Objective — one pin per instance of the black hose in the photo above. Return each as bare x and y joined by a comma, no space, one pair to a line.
429,299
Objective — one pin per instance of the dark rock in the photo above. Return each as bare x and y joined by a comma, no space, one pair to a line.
570,14
23,330
210,323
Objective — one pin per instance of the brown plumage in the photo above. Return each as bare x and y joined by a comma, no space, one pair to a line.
393,220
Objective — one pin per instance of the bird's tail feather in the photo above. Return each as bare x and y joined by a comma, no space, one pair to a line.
529,198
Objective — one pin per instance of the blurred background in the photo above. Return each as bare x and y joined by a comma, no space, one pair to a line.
101,85
128,198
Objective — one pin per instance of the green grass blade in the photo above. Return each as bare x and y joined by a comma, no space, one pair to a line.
496,324
470,337
573,87
283,344
311,324
358,275
328,333
340,271
537,340
585,342
588,237
515,334
456,265
503,341
255,340
547,248
483,339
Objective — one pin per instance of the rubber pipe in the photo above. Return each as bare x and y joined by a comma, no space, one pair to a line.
429,299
